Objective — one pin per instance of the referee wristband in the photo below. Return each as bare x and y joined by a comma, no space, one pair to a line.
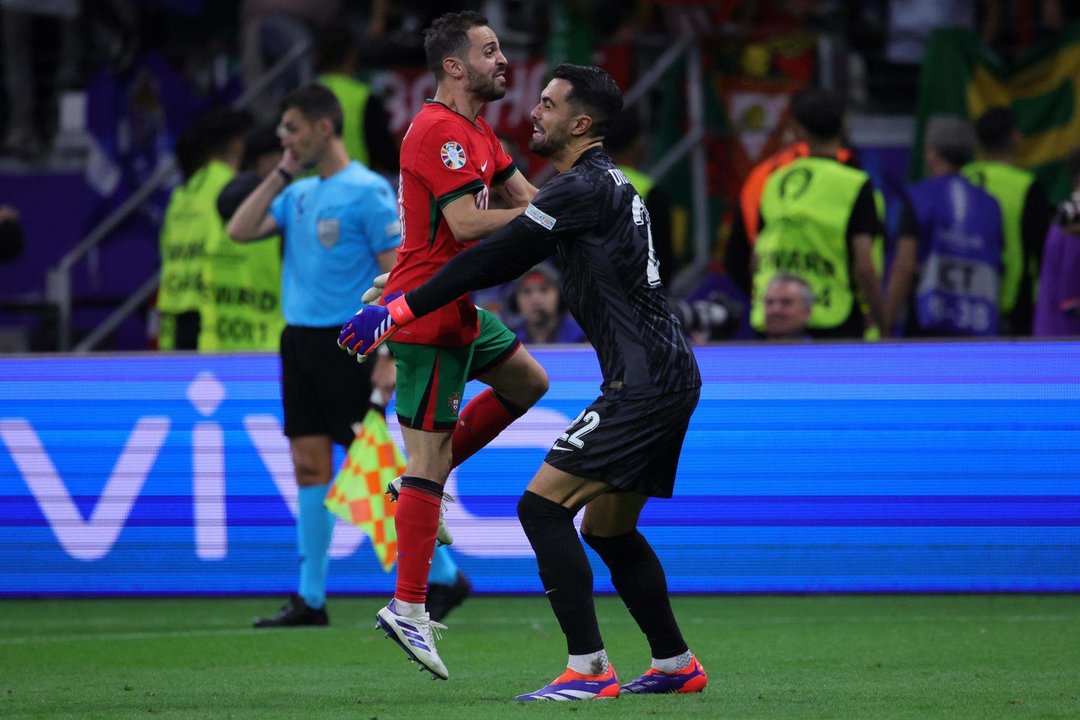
286,176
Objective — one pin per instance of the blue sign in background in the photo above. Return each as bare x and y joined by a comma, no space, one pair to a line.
812,468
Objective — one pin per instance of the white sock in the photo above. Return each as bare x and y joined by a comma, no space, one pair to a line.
408,609
673,664
592,664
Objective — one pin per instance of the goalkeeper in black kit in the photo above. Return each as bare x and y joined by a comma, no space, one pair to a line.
623,448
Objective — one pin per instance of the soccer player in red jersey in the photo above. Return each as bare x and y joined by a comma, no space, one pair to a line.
450,162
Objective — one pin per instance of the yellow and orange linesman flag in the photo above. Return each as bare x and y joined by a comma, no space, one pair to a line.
357,493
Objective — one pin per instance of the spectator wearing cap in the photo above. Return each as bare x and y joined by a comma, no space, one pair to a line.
955,269
1025,215
541,315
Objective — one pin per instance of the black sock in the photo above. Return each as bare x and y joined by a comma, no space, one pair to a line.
639,578
564,570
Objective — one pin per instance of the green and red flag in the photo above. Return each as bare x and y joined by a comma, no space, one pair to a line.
963,77
357,493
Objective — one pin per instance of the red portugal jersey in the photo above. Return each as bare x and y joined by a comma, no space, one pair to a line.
443,156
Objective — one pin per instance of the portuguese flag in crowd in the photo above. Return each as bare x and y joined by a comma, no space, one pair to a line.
357,493
962,76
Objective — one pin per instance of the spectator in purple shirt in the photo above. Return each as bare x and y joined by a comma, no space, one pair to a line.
1057,310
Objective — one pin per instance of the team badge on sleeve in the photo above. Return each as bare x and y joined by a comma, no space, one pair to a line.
453,155
539,216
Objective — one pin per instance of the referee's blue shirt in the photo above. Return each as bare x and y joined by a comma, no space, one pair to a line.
334,229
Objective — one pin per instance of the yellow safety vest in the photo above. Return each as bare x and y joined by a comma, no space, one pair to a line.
641,182
242,303
1009,185
806,207
191,220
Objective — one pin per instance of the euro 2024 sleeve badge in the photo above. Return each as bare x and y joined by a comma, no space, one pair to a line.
453,155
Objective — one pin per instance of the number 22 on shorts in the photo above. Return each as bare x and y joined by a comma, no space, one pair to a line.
589,420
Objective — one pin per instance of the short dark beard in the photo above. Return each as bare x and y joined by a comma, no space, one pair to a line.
481,86
541,149
550,145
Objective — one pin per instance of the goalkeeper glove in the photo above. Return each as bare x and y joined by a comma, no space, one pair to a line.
373,325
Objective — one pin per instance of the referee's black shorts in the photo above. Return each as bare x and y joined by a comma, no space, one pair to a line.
632,444
323,389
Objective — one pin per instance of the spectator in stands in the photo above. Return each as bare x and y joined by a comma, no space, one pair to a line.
269,29
1025,215
23,135
625,143
208,153
1012,28
541,316
819,219
958,268
1057,311
788,303
12,241
366,132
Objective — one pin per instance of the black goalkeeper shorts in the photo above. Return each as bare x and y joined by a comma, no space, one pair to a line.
632,444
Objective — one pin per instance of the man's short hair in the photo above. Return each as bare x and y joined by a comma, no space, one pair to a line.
448,36
819,112
315,102
806,293
210,136
952,138
592,89
994,129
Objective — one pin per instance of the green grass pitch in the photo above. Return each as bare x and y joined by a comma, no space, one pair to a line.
947,656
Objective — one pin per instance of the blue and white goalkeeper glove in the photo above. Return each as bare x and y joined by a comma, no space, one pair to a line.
373,325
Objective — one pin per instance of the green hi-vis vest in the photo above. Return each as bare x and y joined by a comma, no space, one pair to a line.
1009,186
353,96
806,207
641,182
241,300
191,219
242,304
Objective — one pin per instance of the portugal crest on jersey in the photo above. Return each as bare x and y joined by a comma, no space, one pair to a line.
453,155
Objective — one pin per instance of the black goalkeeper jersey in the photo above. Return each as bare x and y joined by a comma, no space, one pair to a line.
594,220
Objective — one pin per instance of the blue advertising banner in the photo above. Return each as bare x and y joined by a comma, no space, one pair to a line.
949,467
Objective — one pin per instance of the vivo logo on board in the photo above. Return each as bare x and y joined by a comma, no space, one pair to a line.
92,538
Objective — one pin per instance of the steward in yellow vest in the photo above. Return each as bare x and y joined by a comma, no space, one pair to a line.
1025,217
243,295
208,153
241,307
819,221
